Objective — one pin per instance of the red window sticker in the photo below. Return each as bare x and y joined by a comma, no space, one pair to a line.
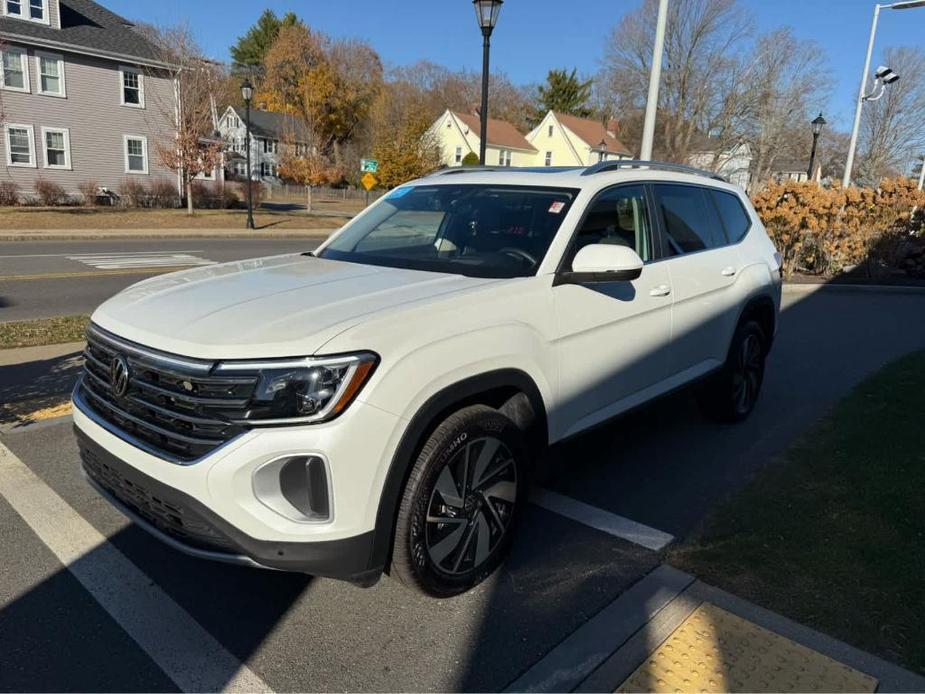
556,207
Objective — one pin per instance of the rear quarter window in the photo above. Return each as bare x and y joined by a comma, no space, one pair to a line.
733,214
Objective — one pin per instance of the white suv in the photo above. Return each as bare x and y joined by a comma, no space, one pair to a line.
376,404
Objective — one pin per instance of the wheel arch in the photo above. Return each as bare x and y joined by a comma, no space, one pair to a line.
511,391
762,309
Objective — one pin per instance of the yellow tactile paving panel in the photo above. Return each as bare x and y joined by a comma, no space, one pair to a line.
716,651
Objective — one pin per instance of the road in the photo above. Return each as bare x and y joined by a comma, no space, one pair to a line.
39,279
663,466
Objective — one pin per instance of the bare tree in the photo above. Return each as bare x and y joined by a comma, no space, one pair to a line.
893,129
703,43
193,147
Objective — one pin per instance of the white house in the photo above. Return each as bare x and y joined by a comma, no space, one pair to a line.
564,140
270,134
732,162
458,135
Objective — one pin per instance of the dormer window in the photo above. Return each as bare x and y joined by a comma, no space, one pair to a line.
33,10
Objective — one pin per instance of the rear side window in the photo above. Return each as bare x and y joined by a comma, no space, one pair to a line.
734,216
691,223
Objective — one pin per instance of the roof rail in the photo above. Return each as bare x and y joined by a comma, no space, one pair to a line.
618,164
506,169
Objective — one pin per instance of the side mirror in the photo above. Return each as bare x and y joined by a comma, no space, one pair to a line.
602,262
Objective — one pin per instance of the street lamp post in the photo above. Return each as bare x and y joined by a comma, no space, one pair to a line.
903,5
655,75
247,91
818,123
922,174
487,12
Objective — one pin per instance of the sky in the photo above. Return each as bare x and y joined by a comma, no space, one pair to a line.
534,36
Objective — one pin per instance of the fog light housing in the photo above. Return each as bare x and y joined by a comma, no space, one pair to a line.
296,487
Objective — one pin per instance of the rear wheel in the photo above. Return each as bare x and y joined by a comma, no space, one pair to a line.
461,502
730,396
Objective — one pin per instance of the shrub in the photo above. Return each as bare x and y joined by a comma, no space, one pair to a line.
207,195
257,191
88,192
162,193
9,194
50,193
471,159
133,193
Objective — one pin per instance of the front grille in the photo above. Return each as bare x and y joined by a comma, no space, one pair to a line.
173,406
170,517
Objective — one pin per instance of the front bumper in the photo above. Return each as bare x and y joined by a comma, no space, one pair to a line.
189,526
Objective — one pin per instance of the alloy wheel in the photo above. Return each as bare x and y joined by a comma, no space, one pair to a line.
471,506
747,377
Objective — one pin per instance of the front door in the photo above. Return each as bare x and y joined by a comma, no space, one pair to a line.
612,337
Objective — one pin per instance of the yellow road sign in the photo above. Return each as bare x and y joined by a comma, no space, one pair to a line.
369,181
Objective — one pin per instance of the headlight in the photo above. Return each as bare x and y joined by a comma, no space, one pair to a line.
293,391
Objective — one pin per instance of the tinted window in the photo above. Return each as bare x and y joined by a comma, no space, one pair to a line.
734,217
478,230
690,219
618,216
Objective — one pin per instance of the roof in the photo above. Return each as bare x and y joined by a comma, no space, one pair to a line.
276,126
500,132
593,133
86,27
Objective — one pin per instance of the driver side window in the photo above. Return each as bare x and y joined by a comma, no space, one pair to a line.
618,216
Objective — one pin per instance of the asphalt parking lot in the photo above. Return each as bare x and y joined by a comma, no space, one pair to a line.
663,466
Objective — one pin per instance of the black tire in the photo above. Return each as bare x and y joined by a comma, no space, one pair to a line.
443,559
731,394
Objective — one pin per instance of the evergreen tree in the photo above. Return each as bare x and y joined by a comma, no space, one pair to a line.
565,93
251,49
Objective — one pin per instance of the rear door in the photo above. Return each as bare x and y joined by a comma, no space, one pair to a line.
702,265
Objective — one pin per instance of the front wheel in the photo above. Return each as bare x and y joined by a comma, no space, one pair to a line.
457,514
730,396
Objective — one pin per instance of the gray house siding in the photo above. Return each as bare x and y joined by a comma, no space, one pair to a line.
97,122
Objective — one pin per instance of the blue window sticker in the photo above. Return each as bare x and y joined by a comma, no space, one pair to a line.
399,193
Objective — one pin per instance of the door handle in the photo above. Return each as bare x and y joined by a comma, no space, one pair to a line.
729,271
660,290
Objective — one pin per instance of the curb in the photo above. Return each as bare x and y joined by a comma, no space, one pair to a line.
803,289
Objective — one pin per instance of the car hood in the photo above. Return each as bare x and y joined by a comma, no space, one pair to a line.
283,306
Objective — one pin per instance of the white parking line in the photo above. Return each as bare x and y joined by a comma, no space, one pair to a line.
602,520
68,255
122,261
182,648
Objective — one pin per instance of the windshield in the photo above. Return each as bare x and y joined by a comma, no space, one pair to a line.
477,230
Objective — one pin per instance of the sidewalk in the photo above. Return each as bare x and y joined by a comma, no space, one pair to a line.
671,632
95,234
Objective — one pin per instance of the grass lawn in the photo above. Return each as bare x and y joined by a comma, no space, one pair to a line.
43,331
26,218
833,535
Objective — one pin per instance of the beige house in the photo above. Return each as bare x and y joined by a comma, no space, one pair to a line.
563,140
458,135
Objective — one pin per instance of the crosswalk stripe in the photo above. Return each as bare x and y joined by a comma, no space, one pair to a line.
180,646
118,261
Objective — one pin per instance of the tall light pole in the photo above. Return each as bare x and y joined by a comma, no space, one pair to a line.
818,124
655,76
247,92
922,174
903,5
487,12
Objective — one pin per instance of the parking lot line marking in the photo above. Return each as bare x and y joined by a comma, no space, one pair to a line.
180,646
602,520
111,261
68,255
92,273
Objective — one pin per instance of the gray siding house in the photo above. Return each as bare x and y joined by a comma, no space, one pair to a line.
271,134
82,97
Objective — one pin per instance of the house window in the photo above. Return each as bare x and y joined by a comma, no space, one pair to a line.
136,154
269,146
14,8
51,73
20,145
37,10
57,146
548,158
15,72
504,157
131,84
264,169
458,157
551,127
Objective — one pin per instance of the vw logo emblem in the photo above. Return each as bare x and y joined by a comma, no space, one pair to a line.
119,376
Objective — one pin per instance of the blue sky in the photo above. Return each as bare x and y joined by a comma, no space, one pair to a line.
533,35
